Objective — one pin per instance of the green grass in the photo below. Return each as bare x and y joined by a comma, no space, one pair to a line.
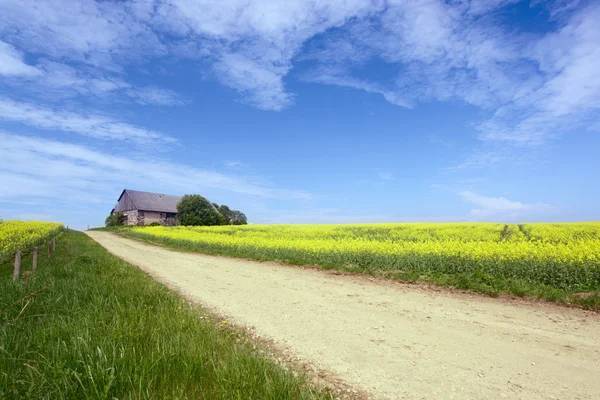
87,325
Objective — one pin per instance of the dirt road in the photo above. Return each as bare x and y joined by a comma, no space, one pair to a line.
392,340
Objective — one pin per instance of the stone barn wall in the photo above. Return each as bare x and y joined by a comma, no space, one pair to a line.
132,217
139,217
150,217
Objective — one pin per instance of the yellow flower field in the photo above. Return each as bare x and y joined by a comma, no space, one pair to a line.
20,235
558,255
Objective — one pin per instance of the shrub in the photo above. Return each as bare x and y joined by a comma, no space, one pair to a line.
234,217
155,224
239,218
116,219
194,209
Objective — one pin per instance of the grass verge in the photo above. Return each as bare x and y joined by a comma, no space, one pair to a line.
489,282
88,325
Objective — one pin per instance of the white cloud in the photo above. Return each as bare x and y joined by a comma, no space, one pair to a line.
260,84
12,64
253,43
60,80
492,203
333,76
440,54
91,125
480,159
85,47
56,81
156,96
235,164
569,94
481,7
96,33
439,50
249,46
536,86
39,168
385,176
500,208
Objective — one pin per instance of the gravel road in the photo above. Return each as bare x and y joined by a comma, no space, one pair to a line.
392,340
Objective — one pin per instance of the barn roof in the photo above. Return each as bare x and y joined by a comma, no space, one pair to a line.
147,201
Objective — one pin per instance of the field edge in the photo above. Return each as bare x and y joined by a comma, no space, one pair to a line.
474,282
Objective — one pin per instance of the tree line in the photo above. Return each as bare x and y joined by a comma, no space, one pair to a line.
195,210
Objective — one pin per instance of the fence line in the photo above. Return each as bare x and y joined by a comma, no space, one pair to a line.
19,256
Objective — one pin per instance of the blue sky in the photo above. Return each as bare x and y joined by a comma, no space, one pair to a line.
302,111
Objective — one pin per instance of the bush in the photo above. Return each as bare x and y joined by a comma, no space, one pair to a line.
116,219
155,224
238,218
194,209
234,217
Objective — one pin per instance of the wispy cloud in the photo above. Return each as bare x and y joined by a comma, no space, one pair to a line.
38,168
568,94
155,96
260,84
12,64
91,125
248,46
439,50
63,80
386,176
338,77
253,44
101,34
235,164
535,86
444,51
502,209
53,81
480,159
82,49
492,203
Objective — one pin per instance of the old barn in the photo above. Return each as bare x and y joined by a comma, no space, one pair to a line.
144,208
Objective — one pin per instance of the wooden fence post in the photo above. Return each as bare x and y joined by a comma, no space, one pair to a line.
53,245
17,270
48,249
35,258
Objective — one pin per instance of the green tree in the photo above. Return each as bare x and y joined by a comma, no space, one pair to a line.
116,219
194,209
234,217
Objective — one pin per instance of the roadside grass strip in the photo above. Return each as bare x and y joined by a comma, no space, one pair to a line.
88,325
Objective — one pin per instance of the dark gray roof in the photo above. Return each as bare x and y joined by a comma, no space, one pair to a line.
147,201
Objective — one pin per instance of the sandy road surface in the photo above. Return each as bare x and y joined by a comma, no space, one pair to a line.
392,340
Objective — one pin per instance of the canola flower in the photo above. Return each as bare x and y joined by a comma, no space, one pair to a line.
20,235
565,255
